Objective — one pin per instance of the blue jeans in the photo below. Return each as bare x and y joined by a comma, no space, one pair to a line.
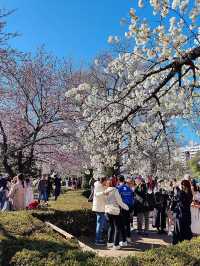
43,195
100,225
2,198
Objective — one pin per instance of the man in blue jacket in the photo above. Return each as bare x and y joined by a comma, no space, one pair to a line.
128,198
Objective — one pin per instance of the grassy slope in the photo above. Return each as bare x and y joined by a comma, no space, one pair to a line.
21,233
27,241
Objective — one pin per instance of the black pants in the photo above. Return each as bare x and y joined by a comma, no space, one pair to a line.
160,219
125,227
182,228
57,192
113,229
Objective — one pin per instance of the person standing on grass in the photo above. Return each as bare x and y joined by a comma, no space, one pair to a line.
91,184
141,206
99,201
3,185
112,209
4,190
74,183
17,193
127,197
160,211
49,186
57,182
42,189
182,213
28,192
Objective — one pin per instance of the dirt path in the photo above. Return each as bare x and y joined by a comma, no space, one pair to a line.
139,244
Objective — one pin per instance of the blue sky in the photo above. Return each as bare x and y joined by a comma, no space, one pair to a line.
76,29
187,131
71,28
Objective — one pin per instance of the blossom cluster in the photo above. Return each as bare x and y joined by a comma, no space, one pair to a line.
140,93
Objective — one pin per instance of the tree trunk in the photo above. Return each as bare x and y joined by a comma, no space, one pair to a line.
153,167
20,161
7,167
4,147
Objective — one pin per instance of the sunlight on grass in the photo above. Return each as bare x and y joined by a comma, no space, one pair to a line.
71,200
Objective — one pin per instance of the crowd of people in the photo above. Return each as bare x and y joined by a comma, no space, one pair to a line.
73,183
117,200
17,193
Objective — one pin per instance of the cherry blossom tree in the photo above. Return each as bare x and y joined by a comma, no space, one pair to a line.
36,125
142,91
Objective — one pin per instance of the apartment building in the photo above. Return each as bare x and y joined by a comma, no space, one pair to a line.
188,152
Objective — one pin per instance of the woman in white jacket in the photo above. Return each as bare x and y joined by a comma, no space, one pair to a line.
112,209
99,201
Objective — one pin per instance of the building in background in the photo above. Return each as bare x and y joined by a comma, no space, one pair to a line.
188,152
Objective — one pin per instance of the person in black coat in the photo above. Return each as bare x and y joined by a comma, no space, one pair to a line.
3,190
182,213
160,211
141,206
49,186
57,183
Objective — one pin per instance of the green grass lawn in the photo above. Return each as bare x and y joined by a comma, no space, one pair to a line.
70,201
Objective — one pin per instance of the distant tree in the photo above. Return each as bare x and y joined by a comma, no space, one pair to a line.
36,125
194,165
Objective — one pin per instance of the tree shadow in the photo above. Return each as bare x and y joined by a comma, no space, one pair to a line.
5,233
13,244
78,222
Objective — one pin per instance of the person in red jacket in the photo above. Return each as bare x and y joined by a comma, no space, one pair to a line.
114,181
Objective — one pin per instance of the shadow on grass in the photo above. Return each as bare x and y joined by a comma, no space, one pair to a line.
12,246
78,223
4,233
18,248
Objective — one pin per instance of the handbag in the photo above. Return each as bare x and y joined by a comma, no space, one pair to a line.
111,209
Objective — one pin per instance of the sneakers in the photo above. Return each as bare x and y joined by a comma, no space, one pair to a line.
128,239
110,245
123,244
116,247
